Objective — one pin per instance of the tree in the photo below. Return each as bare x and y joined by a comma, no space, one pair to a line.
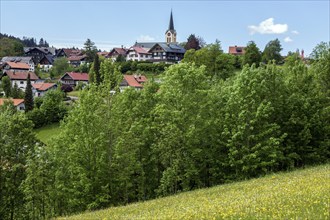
16,92
192,43
90,50
272,51
60,66
17,140
321,50
10,47
6,85
252,54
96,68
28,98
41,42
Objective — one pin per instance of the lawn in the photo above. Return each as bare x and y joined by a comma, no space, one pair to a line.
45,133
75,93
301,194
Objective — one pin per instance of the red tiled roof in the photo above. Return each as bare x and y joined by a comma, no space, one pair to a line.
79,76
235,50
102,53
43,86
135,81
21,75
140,50
15,101
15,65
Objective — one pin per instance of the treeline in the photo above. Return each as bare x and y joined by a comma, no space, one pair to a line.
198,128
13,46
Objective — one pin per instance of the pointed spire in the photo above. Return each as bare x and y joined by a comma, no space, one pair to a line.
171,25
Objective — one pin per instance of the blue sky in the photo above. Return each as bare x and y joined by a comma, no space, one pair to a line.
297,24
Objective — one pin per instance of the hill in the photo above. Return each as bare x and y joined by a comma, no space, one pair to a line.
301,194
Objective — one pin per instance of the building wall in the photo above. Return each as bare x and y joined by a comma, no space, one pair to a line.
20,83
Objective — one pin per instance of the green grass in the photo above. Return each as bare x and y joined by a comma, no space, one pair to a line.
45,133
301,194
75,93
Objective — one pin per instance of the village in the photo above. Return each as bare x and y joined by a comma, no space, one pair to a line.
42,59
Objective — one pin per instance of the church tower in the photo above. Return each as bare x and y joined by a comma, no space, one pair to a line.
170,35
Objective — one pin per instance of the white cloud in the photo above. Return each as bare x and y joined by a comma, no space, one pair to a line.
294,32
145,38
268,27
287,39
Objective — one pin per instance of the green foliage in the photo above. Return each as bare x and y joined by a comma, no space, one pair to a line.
60,67
10,47
96,69
252,54
16,92
6,85
51,110
16,143
272,52
90,50
28,97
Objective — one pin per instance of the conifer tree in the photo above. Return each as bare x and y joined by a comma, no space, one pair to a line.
28,98
96,68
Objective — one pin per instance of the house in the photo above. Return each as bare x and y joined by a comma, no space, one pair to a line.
40,88
103,54
27,60
138,54
167,52
135,81
117,51
236,50
17,67
46,63
18,103
72,78
68,52
37,53
77,60
20,78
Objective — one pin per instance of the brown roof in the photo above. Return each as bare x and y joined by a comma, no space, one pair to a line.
76,58
78,76
72,52
102,53
18,65
135,81
15,101
43,86
236,50
140,50
118,50
20,75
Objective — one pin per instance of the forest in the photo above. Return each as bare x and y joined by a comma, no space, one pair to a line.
205,124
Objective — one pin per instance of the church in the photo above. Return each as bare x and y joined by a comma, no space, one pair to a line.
168,52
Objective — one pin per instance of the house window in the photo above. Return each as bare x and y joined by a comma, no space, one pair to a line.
21,82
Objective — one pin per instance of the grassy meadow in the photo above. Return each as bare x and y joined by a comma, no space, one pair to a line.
45,133
301,194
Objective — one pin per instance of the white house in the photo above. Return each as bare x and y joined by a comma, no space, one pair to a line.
138,54
20,78
134,81
27,60
18,103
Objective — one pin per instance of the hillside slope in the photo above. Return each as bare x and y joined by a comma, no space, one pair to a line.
301,194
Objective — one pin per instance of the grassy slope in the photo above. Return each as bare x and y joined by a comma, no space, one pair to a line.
302,194
45,133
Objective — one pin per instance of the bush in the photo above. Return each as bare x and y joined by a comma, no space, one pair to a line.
66,88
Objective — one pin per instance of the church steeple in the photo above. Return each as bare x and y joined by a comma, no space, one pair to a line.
170,35
171,25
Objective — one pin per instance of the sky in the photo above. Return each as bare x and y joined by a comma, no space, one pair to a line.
297,24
